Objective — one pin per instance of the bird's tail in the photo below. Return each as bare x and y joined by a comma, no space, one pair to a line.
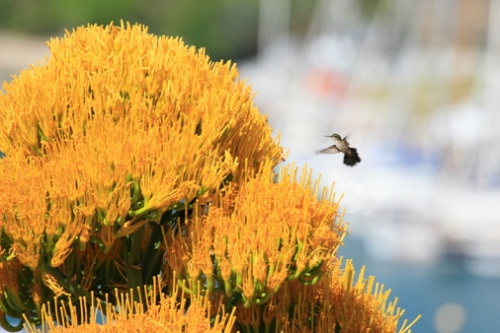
352,157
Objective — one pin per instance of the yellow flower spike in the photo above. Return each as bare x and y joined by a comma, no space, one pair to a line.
226,274
277,273
65,241
259,267
247,285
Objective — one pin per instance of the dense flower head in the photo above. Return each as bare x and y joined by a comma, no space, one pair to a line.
114,111
112,131
267,233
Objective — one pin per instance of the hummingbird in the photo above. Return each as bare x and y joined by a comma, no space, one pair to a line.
351,156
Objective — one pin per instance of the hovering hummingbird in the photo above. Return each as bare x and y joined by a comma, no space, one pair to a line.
351,156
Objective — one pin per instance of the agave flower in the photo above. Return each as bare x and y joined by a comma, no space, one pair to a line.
138,187
106,143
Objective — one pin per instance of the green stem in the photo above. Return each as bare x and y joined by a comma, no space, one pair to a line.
134,258
151,261
132,248
182,285
139,211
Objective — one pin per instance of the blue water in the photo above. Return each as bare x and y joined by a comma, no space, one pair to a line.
422,290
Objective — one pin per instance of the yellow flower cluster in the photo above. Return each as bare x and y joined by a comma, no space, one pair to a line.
130,156
342,301
164,314
268,232
117,127
335,304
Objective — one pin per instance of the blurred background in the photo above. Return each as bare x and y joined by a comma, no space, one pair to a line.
413,83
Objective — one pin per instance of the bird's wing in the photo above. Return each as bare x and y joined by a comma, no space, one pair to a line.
330,150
